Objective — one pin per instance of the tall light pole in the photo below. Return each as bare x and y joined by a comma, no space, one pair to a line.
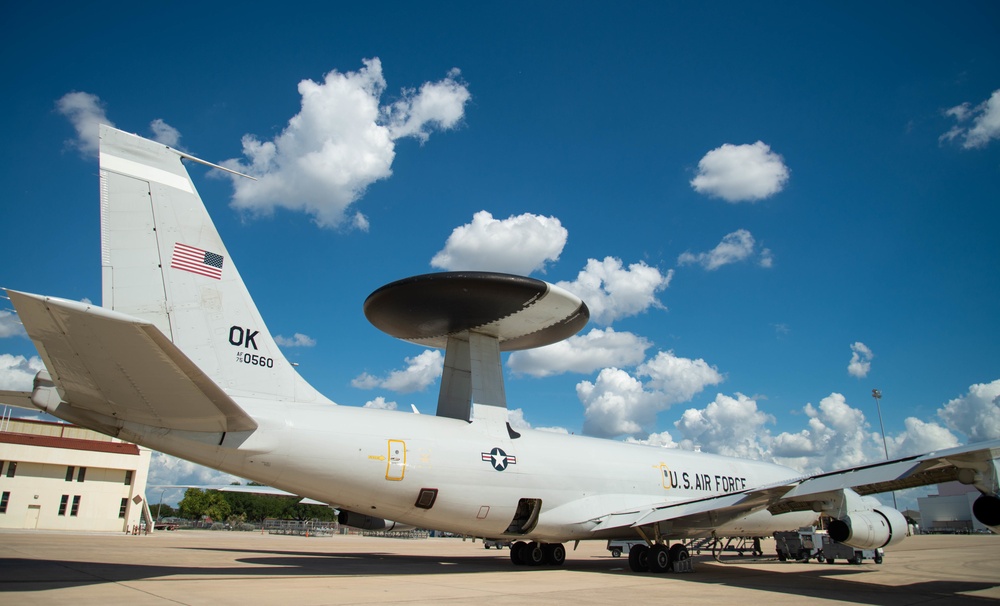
878,396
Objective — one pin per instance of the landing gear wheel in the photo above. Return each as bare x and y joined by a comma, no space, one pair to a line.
616,553
678,553
533,554
555,554
516,553
638,558
658,559
878,559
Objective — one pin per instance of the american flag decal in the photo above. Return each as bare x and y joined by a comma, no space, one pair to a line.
197,261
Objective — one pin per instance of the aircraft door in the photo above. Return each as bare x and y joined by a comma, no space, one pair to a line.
395,466
526,516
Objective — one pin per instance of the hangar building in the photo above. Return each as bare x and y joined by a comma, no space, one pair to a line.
951,509
57,476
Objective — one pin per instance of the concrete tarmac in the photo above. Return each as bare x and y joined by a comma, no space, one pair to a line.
205,567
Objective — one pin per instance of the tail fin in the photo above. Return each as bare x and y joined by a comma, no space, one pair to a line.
163,261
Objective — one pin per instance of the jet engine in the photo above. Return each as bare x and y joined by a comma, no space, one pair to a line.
987,510
879,527
360,520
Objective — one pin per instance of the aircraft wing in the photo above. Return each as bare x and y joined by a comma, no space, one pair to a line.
124,368
977,464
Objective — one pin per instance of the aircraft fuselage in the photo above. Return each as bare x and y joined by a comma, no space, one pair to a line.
378,462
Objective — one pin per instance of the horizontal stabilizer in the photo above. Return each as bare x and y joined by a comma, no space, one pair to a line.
124,368
248,489
17,399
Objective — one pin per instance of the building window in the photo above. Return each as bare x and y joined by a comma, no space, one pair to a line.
1,468
128,477
11,469
82,474
62,504
4,499
76,506
69,473
121,510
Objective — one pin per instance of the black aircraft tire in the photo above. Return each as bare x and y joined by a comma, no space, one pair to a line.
658,559
638,558
678,552
533,554
516,552
555,554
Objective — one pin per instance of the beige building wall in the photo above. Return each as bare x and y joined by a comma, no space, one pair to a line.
41,484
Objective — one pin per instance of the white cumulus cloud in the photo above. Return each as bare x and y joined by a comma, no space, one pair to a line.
10,326
18,372
436,104
727,426
616,404
741,173
678,379
296,340
420,372
515,417
837,436
519,244
978,125
581,353
619,403
976,414
734,247
611,291
380,403
341,141
662,439
165,134
920,437
86,113
861,360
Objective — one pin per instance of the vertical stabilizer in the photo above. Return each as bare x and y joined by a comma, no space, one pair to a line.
162,260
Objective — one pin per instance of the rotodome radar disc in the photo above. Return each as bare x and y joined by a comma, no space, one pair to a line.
522,313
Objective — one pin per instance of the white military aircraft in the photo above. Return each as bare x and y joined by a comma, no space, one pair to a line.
178,359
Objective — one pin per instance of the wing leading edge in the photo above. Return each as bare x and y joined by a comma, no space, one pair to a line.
976,464
124,368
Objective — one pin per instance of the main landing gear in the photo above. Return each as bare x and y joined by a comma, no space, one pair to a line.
658,558
536,554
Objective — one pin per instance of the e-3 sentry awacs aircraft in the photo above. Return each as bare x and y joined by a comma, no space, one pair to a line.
179,360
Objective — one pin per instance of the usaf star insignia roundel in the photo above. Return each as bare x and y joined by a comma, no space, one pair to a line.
499,459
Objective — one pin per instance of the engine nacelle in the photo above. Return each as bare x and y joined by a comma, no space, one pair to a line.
360,520
987,510
880,527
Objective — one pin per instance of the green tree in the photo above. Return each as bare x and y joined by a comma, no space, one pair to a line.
194,504
217,508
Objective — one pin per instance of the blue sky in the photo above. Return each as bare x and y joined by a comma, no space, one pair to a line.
771,208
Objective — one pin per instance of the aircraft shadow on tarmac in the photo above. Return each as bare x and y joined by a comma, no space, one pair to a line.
822,581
